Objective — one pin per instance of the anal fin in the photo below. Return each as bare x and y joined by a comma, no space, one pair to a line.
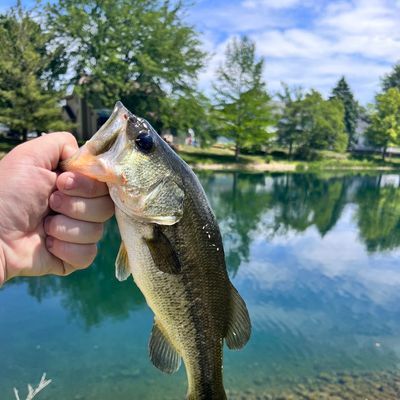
239,328
162,353
122,268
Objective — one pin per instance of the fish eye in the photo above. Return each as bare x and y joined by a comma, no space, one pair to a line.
144,142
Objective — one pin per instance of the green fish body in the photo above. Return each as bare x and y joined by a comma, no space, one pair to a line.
172,246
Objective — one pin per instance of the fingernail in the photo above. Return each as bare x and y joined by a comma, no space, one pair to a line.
69,183
49,242
55,201
46,224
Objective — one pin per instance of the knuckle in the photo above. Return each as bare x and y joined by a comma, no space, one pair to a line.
78,207
68,136
57,227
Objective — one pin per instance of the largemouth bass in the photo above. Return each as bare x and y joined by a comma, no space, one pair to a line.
171,245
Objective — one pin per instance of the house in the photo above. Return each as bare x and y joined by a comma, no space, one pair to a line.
86,119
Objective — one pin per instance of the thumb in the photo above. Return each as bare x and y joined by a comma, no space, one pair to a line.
48,150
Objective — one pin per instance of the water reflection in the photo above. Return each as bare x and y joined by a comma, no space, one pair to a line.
296,202
93,294
259,209
314,256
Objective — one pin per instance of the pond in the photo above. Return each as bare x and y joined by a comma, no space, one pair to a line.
316,258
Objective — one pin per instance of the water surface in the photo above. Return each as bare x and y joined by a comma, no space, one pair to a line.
316,259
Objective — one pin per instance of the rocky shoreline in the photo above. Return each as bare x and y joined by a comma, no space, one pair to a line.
382,385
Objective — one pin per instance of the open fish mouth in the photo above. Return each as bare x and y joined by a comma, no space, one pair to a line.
96,158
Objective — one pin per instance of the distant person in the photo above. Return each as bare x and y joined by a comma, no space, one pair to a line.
50,222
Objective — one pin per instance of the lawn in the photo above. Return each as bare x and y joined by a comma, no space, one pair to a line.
326,160
220,157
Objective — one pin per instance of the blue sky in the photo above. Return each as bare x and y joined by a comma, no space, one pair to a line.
309,43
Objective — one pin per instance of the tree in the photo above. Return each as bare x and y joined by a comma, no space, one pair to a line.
321,125
343,93
29,70
242,102
139,51
392,79
195,112
289,123
384,129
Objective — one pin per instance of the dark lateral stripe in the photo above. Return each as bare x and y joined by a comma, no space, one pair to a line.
210,383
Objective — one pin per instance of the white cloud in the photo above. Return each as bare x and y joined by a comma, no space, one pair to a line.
272,4
339,256
367,17
359,39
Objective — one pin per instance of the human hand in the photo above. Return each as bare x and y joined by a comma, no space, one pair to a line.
34,240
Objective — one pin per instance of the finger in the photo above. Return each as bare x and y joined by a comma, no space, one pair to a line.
79,256
99,209
75,184
73,230
48,150
61,267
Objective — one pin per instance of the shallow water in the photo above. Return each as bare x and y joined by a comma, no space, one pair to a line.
315,257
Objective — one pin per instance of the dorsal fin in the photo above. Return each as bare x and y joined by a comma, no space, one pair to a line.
239,328
122,269
162,353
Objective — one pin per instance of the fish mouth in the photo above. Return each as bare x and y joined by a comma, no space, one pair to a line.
91,165
96,158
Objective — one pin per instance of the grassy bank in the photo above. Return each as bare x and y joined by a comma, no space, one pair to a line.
222,158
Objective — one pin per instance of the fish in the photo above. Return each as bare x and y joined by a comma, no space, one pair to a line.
172,246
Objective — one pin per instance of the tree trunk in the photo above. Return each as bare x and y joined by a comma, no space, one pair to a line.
25,135
290,150
383,154
237,152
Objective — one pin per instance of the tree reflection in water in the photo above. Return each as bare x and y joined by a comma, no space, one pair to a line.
243,204
93,294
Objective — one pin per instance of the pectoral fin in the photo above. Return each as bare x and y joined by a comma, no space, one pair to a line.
122,269
163,253
239,326
162,353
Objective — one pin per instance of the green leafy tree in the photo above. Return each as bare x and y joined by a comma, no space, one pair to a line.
289,123
392,79
242,101
384,129
139,51
343,93
321,125
195,112
29,71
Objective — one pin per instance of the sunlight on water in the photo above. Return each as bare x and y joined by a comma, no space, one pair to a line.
315,257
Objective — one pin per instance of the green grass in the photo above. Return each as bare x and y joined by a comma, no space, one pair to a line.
326,160
217,155
224,154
